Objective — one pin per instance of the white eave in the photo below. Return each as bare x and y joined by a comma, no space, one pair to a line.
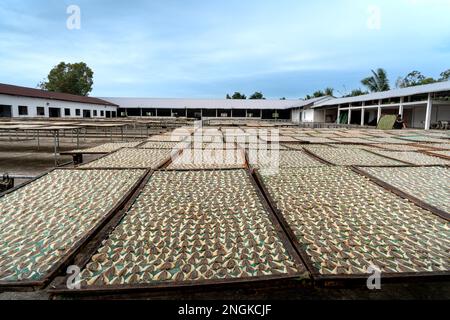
155,103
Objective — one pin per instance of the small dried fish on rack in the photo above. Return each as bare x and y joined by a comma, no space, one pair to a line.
354,140
209,159
43,220
343,157
346,223
168,138
107,147
445,153
414,157
422,138
400,147
281,159
191,226
314,139
443,146
429,184
213,145
164,145
354,146
388,140
132,158
295,146
280,138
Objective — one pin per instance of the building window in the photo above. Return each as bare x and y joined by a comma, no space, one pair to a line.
95,113
23,110
40,111
77,112
102,113
67,112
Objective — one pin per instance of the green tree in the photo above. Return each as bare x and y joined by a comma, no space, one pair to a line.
238,96
257,96
445,76
76,78
329,91
228,97
414,78
377,82
318,94
321,93
356,92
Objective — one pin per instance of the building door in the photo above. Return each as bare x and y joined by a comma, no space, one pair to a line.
54,112
86,113
108,114
5,111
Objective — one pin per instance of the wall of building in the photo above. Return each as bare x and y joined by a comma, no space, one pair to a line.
308,115
33,103
295,116
415,116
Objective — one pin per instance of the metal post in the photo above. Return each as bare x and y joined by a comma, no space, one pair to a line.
55,148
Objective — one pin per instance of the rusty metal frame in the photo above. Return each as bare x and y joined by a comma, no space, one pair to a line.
161,287
164,162
344,279
433,154
83,241
402,194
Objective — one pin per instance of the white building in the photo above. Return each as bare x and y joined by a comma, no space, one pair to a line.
208,108
21,102
421,106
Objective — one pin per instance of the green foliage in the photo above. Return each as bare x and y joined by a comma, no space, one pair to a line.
329,91
321,93
356,92
445,76
228,97
414,78
76,78
257,96
238,96
377,82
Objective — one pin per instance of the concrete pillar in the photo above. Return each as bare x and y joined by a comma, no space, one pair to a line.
428,112
349,116
379,111
362,113
400,109
338,115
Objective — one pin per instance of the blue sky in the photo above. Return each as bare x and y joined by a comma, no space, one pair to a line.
207,48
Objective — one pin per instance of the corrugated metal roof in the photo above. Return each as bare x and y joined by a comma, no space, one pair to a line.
150,103
395,93
11,90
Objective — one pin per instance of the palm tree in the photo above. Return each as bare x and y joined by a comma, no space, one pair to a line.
378,82
329,91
